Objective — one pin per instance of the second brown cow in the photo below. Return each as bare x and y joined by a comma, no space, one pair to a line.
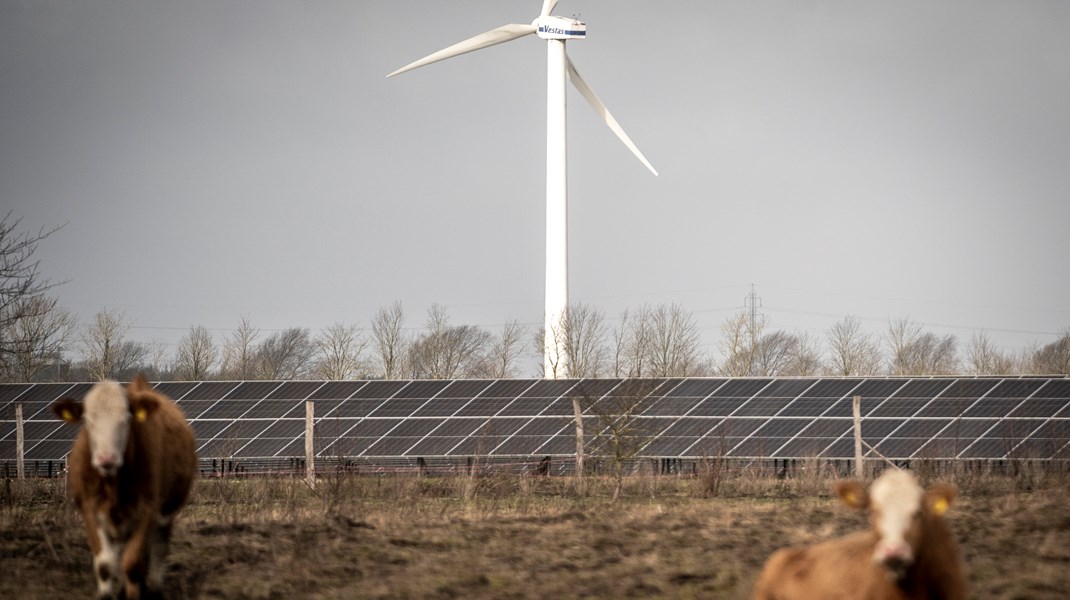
910,552
130,471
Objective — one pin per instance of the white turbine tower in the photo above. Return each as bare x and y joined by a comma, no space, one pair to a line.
555,30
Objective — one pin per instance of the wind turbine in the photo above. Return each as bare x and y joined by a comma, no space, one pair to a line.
555,30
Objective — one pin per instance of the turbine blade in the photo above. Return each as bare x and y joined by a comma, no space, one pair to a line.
592,99
548,7
502,34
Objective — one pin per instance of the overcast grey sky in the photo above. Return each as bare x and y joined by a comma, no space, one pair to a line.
213,159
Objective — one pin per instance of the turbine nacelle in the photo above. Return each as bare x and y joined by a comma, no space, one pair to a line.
552,27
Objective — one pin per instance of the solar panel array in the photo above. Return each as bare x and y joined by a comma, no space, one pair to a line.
746,418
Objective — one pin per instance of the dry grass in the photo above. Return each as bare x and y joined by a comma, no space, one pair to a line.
505,536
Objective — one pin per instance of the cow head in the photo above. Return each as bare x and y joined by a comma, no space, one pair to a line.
898,508
107,414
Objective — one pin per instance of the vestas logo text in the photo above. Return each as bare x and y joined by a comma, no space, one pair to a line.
555,30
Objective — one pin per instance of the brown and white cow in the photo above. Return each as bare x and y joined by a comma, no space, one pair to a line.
130,469
910,552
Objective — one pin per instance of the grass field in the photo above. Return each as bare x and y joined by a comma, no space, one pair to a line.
507,536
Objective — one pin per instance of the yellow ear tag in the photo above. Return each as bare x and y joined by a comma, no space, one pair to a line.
940,506
140,415
851,499
67,415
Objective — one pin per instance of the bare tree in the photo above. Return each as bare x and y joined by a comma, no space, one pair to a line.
35,338
157,362
108,354
445,351
1053,358
506,350
804,359
583,330
239,351
285,354
389,339
739,345
620,431
852,351
196,354
25,320
19,277
984,358
917,352
631,342
674,342
773,354
341,348
662,341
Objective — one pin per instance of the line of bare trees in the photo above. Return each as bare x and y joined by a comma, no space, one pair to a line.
38,337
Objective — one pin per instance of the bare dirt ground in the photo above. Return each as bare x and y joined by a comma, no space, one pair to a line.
512,537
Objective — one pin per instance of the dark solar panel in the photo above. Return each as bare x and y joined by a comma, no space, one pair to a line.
899,407
210,390
175,389
48,450
695,388
484,406
340,390
246,429
742,388
758,406
441,407
875,389
899,448
11,391
399,407
783,427
786,388
921,428
717,406
939,417
295,390
276,409
264,447
422,389
252,390
831,427
832,388
465,388
285,428
820,398
596,388
878,428
193,409
975,388
924,388
737,427
1055,388
992,407
508,388
1039,407
228,409
692,427
946,407
520,444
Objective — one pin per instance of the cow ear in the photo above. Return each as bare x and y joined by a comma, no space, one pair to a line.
939,498
853,494
140,384
68,409
142,406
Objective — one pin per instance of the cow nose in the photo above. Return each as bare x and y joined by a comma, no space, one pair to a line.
895,556
107,461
